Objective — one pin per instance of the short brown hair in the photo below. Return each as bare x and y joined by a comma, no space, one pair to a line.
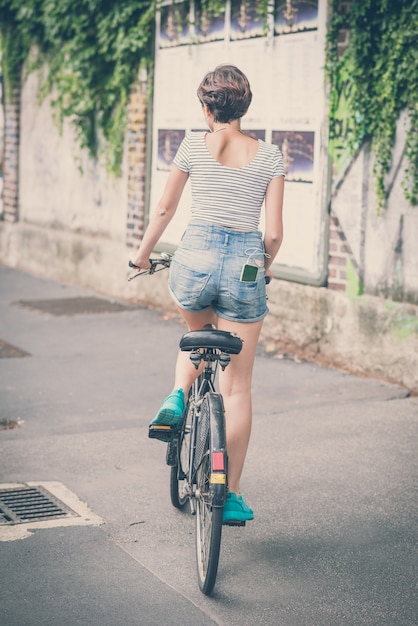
226,92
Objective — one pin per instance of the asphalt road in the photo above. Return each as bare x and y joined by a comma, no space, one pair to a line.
331,474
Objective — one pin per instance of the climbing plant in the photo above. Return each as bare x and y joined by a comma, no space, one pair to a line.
92,51
378,72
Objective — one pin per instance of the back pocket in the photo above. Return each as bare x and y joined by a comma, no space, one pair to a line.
248,299
187,285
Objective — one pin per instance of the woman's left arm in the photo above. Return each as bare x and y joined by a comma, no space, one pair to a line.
273,236
162,215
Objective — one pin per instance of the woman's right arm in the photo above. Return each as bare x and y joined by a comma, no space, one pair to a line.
162,215
273,236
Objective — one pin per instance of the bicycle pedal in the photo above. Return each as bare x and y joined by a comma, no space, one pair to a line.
236,523
162,432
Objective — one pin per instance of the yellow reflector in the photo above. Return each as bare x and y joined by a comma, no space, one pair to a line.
218,479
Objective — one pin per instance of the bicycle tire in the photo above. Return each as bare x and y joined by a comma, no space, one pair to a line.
210,489
179,471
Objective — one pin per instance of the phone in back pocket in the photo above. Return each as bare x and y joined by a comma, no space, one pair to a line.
249,273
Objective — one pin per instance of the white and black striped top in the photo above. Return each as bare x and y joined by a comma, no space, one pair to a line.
227,196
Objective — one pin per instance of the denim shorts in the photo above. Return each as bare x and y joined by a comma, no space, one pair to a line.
206,269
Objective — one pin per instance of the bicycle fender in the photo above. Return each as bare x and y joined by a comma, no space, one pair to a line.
218,478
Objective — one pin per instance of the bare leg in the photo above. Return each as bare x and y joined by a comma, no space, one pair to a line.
235,387
185,370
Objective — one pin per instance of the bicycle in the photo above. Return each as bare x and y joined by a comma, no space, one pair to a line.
196,451
198,454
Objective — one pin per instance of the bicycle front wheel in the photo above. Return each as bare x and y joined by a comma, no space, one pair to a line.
179,471
210,489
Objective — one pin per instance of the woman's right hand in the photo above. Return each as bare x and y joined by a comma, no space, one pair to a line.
141,263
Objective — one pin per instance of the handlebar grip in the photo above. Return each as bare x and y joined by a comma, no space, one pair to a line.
137,266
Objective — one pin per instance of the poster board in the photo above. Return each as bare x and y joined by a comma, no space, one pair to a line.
285,70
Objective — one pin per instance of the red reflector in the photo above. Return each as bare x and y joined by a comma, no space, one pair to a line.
218,463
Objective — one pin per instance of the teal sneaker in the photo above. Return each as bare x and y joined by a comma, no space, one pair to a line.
171,410
165,424
236,510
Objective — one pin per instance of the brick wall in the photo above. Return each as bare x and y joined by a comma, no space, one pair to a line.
136,163
344,33
11,158
339,250
340,255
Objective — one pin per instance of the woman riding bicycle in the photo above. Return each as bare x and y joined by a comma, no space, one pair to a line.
218,272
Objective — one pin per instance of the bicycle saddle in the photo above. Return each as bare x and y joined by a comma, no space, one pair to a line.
211,338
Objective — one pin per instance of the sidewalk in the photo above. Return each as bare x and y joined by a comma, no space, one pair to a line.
331,475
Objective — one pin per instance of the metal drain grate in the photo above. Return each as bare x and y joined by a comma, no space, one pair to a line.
28,504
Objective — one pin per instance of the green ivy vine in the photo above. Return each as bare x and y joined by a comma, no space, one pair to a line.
92,50
381,65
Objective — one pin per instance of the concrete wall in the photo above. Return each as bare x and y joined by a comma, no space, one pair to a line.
362,334
59,186
382,246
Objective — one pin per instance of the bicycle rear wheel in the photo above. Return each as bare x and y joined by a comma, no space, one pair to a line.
210,464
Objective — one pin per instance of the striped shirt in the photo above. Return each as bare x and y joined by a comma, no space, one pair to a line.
227,196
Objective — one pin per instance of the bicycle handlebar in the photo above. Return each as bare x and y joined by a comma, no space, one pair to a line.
164,260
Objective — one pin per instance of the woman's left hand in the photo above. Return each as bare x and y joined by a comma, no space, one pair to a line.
268,275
